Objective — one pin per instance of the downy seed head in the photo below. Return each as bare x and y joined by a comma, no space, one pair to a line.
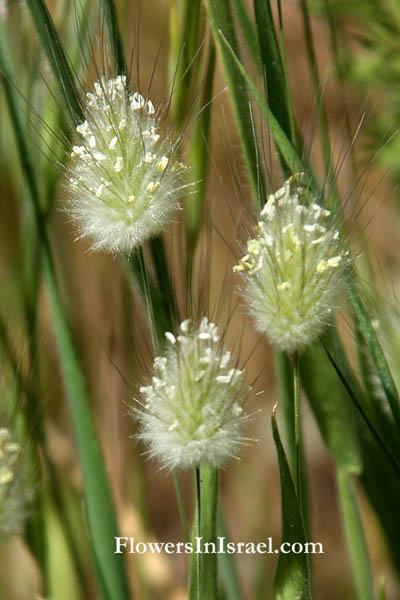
293,270
123,179
15,492
192,411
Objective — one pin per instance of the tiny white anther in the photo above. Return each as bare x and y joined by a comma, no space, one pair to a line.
113,143
149,158
334,262
170,337
162,163
98,89
184,326
119,163
137,101
6,475
152,186
321,266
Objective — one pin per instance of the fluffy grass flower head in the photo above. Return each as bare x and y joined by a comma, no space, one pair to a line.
124,182
294,268
15,489
192,411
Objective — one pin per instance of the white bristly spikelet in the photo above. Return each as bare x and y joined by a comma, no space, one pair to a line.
192,411
15,490
294,269
123,181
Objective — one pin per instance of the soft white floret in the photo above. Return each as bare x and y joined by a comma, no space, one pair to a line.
192,411
124,183
293,269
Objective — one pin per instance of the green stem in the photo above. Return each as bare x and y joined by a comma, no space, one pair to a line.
181,506
296,446
285,375
297,433
205,538
101,516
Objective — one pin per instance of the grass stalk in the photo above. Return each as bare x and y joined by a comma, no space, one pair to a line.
297,424
181,505
204,576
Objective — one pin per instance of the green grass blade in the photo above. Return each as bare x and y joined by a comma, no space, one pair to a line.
55,54
330,405
376,353
382,486
248,29
276,84
283,143
101,515
355,537
292,577
185,56
199,157
114,35
376,402
100,510
223,28
364,414
319,102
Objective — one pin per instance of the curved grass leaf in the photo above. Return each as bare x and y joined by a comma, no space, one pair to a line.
380,472
376,402
248,29
364,412
292,578
376,354
382,486
56,56
329,402
276,84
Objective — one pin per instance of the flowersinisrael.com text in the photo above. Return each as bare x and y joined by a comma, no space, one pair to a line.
220,546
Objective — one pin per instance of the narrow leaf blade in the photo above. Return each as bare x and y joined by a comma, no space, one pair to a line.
292,578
